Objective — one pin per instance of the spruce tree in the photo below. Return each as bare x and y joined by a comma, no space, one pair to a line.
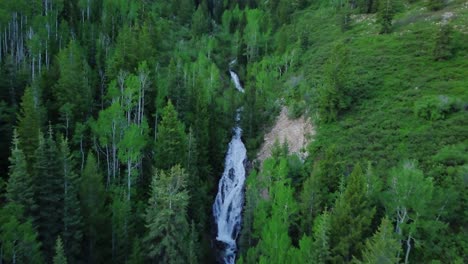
18,239
121,225
59,257
350,219
166,217
382,247
29,124
385,14
72,218
171,140
50,192
321,235
93,200
20,186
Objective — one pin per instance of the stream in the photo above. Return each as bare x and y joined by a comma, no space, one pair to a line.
227,208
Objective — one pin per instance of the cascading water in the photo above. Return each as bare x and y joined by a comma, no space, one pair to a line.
227,208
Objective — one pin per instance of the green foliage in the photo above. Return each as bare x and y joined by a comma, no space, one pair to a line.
407,201
386,11
48,181
379,98
320,188
93,201
166,217
30,122
73,93
171,140
443,42
435,5
72,219
122,225
382,247
435,107
321,235
59,257
333,94
18,239
20,186
351,219
201,22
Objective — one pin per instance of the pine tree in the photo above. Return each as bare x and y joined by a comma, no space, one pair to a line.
18,239
320,189
201,23
137,256
72,218
121,225
275,242
385,14
382,247
20,186
73,90
321,235
183,9
166,217
59,257
350,219
171,140
93,199
50,192
29,123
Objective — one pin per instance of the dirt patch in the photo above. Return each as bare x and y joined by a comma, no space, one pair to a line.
297,132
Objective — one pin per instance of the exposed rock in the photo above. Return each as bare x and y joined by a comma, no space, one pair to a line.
297,133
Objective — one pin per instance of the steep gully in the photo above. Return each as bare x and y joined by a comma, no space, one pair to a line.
227,208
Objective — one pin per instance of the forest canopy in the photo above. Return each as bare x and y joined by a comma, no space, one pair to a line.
115,117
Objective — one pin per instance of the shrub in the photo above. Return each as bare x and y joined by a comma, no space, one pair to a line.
435,107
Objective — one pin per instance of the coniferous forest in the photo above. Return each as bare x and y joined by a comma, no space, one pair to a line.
116,117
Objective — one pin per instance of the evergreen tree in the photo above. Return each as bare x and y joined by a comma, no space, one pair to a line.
20,186
50,192
183,9
166,217
72,218
443,47
137,256
93,200
29,123
320,188
18,239
385,14
121,225
275,242
321,235
73,89
333,95
59,257
201,23
382,247
350,219
171,140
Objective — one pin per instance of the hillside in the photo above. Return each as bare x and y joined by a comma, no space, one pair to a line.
145,131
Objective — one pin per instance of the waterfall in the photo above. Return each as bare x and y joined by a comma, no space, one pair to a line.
236,81
227,208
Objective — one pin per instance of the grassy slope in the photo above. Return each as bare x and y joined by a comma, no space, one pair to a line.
393,72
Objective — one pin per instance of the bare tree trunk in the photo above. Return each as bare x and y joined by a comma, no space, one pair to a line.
408,248
129,177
